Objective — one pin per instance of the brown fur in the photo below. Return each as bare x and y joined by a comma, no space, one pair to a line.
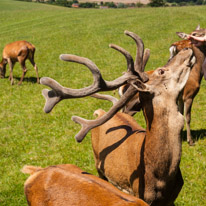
68,185
146,163
18,51
179,45
193,84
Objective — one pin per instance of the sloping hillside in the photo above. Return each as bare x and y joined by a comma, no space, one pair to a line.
119,1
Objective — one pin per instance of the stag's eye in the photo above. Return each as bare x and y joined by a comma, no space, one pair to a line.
161,71
198,34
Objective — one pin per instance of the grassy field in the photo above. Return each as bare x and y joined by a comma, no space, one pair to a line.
29,136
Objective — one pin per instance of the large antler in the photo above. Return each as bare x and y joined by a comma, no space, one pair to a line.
134,71
59,92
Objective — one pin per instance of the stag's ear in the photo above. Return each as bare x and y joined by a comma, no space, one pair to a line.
182,35
140,86
198,27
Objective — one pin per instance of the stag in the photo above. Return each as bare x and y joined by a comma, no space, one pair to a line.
18,51
68,185
144,163
192,86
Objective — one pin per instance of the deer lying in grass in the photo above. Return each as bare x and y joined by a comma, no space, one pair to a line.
142,162
68,185
191,88
18,51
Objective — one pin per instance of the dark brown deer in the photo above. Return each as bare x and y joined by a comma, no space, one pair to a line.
68,185
142,162
192,86
18,51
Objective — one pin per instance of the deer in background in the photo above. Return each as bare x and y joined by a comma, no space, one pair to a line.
18,51
142,162
193,84
68,185
191,88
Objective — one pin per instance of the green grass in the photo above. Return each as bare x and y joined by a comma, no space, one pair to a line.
29,136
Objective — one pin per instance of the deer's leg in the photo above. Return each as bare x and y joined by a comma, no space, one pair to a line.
35,68
188,107
22,59
23,66
11,66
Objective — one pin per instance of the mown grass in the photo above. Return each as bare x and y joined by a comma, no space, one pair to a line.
29,136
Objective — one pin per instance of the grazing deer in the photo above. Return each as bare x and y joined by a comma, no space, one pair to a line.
18,51
68,185
191,88
142,162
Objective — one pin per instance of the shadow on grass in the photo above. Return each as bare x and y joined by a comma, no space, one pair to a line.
196,134
28,79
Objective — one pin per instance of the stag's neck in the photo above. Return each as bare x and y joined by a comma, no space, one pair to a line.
163,137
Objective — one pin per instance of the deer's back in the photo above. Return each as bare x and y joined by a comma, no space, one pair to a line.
14,49
67,185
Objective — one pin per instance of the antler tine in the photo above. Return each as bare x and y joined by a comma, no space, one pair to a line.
130,61
59,92
146,57
140,50
87,62
138,66
87,125
105,97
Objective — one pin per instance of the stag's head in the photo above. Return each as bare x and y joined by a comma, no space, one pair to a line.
175,72
166,81
165,84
